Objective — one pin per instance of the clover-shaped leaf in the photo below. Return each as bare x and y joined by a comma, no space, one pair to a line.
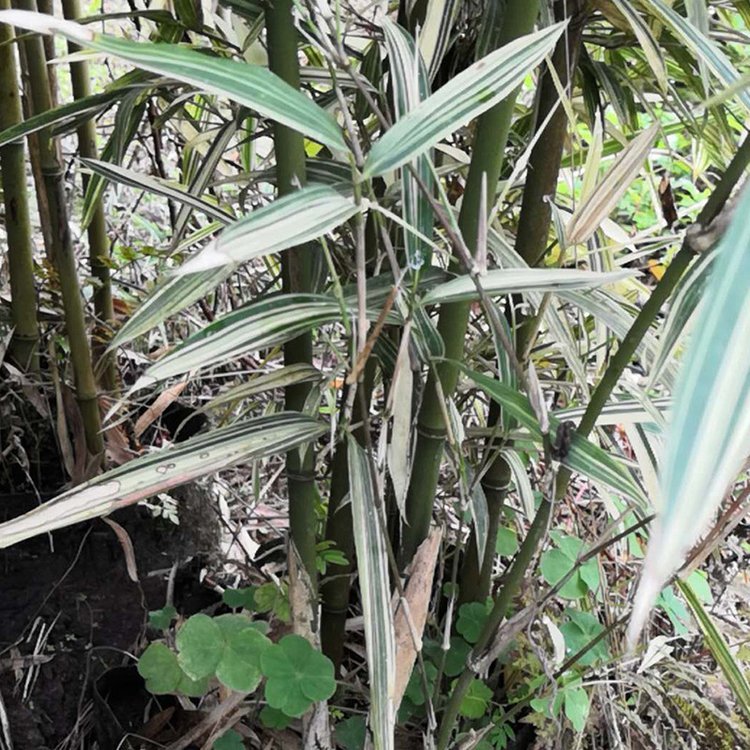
475,701
161,618
201,644
297,675
557,563
159,667
192,688
579,631
240,598
239,667
230,740
471,620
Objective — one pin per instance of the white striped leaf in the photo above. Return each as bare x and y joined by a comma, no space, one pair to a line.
253,86
703,48
375,588
169,298
583,457
518,280
410,87
297,218
467,95
162,470
264,323
140,181
708,440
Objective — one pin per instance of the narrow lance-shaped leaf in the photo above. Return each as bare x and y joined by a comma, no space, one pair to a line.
702,47
584,457
251,85
518,280
162,470
292,220
411,86
708,440
374,583
466,96
140,181
598,205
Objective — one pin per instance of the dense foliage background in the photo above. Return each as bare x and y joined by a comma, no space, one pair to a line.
400,349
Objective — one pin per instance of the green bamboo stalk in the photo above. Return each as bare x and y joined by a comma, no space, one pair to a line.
486,164
289,148
99,248
59,242
24,346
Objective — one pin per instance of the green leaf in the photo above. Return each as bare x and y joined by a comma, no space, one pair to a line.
250,85
193,688
415,687
507,542
471,620
708,440
583,457
156,186
476,700
518,280
230,740
267,322
162,618
200,643
465,96
557,563
375,587
159,667
297,218
161,470
351,733
274,719
675,609
239,668
576,705
297,675
580,630
240,598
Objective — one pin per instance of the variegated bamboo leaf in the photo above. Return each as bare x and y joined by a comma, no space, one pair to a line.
708,440
466,96
518,280
297,218
250,85
583,457
162,470
375,587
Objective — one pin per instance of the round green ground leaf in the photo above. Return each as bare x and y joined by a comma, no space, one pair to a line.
230,740
162,618
274,719
475,702
201,643
297,675
192,688
231,624
351,733
471,620
240,598
158,666
579,631
239,668
506,544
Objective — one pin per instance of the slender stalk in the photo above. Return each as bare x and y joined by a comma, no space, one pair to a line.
24,346
59,243
99,248
296,272
486,162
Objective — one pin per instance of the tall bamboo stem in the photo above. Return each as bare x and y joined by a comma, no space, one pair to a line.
486,164
24,346
60,242
296,272
99,249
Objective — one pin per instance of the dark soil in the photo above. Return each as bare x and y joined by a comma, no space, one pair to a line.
70,613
